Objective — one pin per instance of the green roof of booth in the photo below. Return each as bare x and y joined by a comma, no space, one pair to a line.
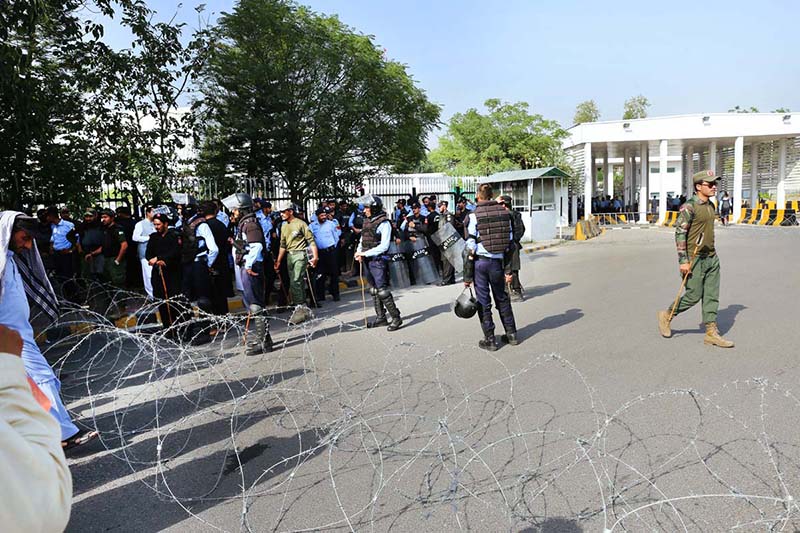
516,175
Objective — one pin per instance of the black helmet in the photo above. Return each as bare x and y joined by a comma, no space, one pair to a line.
465,305
239,200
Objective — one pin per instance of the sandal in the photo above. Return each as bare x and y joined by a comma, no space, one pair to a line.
79,439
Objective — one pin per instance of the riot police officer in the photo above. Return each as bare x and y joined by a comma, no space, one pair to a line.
249,258
376,235
487,263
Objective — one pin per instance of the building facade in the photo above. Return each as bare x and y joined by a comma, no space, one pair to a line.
756,155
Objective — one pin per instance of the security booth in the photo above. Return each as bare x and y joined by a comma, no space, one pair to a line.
540,194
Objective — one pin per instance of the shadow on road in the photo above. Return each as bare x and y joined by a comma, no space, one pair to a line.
551,322
199,484
727,317
541,290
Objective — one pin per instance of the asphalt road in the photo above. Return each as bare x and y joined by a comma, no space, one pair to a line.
593,423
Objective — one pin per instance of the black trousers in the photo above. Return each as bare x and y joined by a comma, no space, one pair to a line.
220,283
448,272
436,254
164,279
327,273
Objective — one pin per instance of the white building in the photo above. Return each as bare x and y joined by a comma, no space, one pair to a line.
752,153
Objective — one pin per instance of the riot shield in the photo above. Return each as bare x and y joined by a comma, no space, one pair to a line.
451,244
424,270
398,268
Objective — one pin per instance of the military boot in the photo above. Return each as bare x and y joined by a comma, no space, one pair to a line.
488,343
380,313
510,338
300,314
714,338
260,341
388,301
663,324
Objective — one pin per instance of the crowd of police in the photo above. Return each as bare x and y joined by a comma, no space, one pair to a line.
198,253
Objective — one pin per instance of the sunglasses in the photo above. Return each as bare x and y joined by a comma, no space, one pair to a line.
711,184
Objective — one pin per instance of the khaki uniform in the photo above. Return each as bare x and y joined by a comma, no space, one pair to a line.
698,217
694,240
296,236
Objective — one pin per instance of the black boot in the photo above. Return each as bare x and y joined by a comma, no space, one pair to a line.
380,312
489,343
260,341
388,301
510,338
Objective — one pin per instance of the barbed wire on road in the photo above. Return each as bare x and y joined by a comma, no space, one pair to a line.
313,437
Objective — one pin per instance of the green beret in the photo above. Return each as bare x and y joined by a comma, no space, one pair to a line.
704,175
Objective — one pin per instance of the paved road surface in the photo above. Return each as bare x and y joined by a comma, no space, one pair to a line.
594,422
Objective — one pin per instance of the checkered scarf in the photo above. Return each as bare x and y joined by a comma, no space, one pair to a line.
41,296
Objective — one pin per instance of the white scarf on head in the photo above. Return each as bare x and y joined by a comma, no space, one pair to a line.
41,295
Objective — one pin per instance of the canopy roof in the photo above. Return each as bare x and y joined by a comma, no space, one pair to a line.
516,175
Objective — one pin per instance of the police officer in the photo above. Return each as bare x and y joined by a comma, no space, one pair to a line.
696,219
375,238
326,235
198,252
249,251
62,243
518,229
296,237
218,269
444,216
90,246
487,263
114,249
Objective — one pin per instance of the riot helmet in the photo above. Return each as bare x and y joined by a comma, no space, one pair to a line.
465,305
373,201
240,200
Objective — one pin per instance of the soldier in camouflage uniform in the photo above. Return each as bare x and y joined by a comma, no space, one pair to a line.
697,216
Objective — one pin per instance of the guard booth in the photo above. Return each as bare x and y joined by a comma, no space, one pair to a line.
540,194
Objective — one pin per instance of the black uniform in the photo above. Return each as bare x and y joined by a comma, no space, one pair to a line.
166,280
196,278
219,270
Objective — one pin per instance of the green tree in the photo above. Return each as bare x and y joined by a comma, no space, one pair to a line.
296,96
737,109
635,107
782,110
48,56
508,137
586,112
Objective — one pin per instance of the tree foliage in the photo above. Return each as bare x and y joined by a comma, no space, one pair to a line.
507,137
635,107
586,112
46,66
75,113
738,109
753,109
297,96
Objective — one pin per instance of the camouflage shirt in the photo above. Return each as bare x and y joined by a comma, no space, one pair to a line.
696,217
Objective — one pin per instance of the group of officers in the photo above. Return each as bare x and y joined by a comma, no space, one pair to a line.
196,253
261,245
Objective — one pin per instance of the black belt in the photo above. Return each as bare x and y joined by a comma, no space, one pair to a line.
329,248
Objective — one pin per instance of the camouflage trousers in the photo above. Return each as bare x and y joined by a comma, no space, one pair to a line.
703,284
